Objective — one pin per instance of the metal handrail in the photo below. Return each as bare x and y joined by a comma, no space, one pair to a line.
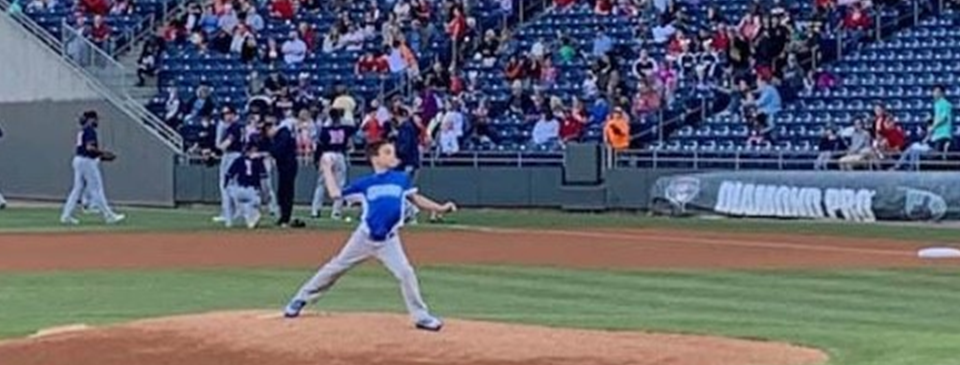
737,159
145,29
116,94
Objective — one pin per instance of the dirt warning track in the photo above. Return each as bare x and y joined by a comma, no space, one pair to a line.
625,249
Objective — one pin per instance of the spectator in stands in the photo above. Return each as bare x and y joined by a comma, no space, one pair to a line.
546,131
95,7
255,84
308,35
513,70
602,43
567,52
282,9
647,100
294,50
941,135
240,36
860,148
448,138
209,22
645,66
121,7
227,21
830,145
572,126
275,84
248,51
147,63
201,106
100,33
271,54
172,115
857,18
911,156
768,103
252,19
371,62
331,41
311,6
488,49
616,131
303,93
306,134
480,116
345,102
890,139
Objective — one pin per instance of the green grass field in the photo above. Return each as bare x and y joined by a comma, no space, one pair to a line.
860,317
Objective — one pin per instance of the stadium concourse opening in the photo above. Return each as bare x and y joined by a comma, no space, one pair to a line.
256,338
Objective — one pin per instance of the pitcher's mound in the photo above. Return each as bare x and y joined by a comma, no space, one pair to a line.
258,338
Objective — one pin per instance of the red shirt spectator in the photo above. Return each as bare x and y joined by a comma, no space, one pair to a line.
571,127
563,3
282,9
892,136
721,40
514,69
857,18
100,31
372,130
95,7
309,36
457,27
603,7
372,63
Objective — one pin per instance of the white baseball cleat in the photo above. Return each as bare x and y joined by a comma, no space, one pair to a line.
116,218
219,219
69,220
432,324
253,223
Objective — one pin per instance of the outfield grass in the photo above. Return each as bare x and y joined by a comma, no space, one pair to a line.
142,219
885,317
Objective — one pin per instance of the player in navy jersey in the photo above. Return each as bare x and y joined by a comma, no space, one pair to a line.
333,142
86,173
383,197
245,184
230,140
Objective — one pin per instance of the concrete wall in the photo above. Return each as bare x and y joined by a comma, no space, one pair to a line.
31,71
38,146
484,186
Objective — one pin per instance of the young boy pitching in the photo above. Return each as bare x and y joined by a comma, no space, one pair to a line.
383,197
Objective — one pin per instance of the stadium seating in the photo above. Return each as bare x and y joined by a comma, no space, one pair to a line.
898,72
123,27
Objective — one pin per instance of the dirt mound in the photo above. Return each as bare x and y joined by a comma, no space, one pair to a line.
257,338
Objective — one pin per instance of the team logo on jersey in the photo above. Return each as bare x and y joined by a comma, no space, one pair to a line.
682,190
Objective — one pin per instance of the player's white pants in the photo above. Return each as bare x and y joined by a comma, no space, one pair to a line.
225,202
358,249
2,200
271,165
247,202
339,167
86,177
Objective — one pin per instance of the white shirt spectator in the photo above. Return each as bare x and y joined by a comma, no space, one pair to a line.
353,41
396,62
506,6
662,34
402,10
545,130
448,139
455,118
538,49
589,87
294,51
383,114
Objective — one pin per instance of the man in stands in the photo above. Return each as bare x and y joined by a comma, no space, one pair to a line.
941,132
617,130
830,145
768,103
860,148
294,49
100,32
282,9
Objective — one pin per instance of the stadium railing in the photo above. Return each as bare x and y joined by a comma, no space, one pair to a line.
760,160
99,69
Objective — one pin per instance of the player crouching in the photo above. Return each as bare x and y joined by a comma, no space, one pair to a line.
245,186
383,197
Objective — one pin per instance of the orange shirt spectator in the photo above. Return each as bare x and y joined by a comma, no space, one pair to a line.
617,130
282,9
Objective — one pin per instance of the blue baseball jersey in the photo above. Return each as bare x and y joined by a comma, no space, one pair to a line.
334,138
236,133
383,197
247,172
87,136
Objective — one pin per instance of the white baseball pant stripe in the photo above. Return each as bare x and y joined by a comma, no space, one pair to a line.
2,200
271,165
226,206
340,172
87,178
359,248
247,202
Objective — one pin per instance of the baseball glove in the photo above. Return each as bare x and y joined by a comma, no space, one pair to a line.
107,156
